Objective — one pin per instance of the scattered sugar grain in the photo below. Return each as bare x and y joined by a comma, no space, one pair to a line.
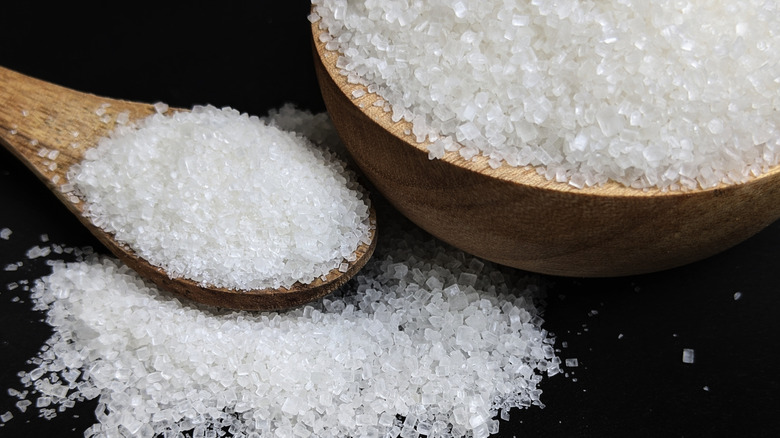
224,198
123,117
593,89
22,405
687,355
38,251
5,233
357,363
161,107
737,296
102,109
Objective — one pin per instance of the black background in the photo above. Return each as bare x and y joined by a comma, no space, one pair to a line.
255,58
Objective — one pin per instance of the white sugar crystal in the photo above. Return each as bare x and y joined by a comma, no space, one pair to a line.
22,405
687,355
224,199
38,251
360,362
737,295
572,362
123,117
586,91
5,233
160,107
6,417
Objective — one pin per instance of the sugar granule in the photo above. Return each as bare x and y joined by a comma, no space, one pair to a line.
392,350
687,355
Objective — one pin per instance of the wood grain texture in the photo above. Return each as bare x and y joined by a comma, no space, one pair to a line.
37,118
514,216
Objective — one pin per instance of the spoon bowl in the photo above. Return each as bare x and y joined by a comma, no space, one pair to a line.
49,128
516,217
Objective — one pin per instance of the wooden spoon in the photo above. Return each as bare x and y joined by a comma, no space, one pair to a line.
49,128
516,217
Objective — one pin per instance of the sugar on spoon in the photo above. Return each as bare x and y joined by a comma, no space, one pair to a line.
49,128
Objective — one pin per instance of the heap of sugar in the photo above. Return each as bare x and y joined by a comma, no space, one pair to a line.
426,340
225,199
668,94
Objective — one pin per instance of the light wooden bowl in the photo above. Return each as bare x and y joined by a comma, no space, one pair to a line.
515,217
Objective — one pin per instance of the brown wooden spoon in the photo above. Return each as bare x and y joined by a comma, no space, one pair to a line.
49,128
516,217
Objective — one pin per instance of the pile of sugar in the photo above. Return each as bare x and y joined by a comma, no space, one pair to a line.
669,94
425,341
225,199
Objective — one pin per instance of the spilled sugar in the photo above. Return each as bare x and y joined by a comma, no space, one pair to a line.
688,355
425,340
223,198
669,94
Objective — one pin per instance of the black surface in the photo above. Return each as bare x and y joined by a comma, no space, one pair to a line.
252,60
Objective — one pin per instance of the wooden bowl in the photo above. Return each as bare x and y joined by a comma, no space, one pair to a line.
515,217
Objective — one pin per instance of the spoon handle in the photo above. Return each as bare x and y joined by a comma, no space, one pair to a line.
50,127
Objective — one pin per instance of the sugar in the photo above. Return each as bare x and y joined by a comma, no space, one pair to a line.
687,355
360,362
224,199
5,233
555,84
123,117
160,107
